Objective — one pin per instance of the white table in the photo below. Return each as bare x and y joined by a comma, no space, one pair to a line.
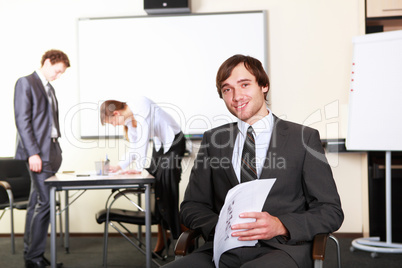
73,182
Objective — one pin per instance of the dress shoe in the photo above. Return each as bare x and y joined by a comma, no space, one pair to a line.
37,264
58,265
44,262
158,254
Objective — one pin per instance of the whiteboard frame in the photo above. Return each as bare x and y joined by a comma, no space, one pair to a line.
88,105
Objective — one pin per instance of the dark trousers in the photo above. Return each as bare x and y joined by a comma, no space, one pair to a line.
38,211
166,167
244,257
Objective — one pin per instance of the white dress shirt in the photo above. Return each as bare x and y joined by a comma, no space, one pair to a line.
152,123
262,131
54,133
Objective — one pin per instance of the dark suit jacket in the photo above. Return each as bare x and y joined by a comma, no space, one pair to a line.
33,118
304,196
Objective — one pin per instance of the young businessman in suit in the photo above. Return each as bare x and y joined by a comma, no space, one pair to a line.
36,118
303,201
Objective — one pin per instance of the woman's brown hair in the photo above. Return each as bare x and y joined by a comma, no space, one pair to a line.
108,107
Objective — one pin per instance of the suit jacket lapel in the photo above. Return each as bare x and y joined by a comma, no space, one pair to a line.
39,85
228,141
278,140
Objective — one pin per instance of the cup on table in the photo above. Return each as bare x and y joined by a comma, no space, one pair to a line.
102,167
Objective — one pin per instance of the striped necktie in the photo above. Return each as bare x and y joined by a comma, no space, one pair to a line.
248,162
52,97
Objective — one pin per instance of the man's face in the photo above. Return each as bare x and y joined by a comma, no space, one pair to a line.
53,71
243,96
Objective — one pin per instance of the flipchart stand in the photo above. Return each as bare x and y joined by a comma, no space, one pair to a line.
373,244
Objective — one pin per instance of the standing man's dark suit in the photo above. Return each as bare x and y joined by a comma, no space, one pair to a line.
37,134
31,104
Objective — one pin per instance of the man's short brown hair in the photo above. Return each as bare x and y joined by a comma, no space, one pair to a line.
55,56
253,65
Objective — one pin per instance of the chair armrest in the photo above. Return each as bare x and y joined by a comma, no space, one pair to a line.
117,193
5,185
123,193
9,191
129,191
185,242
319,244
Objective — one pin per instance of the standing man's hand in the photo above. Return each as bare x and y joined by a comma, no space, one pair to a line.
35,163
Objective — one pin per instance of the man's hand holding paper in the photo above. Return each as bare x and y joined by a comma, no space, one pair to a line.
242,212
264,227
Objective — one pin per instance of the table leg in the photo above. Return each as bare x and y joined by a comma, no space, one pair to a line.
53,226
148,225
67,226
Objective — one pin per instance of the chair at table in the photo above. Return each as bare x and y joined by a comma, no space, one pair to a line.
189,240
15,186
164,210
135,216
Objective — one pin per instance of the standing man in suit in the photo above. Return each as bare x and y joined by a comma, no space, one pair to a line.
37,121
302,202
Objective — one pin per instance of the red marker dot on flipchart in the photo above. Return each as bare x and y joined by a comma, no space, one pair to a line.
351,90
352,80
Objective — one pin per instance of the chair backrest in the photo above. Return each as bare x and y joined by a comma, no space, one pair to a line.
18,175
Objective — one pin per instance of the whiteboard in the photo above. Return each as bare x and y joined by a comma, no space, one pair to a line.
375,97
172,60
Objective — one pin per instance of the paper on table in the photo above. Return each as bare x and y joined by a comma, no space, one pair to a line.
245,197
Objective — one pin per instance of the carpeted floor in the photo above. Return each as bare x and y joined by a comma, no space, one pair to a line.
87,252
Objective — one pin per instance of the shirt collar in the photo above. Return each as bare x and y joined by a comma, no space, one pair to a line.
42,78
265,124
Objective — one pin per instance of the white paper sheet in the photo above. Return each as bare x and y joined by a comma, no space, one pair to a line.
245,197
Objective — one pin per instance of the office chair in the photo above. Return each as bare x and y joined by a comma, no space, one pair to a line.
109,215
15,186
189,240
164,209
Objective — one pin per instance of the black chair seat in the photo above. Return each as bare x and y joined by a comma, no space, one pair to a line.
123,215
17,205
21,204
